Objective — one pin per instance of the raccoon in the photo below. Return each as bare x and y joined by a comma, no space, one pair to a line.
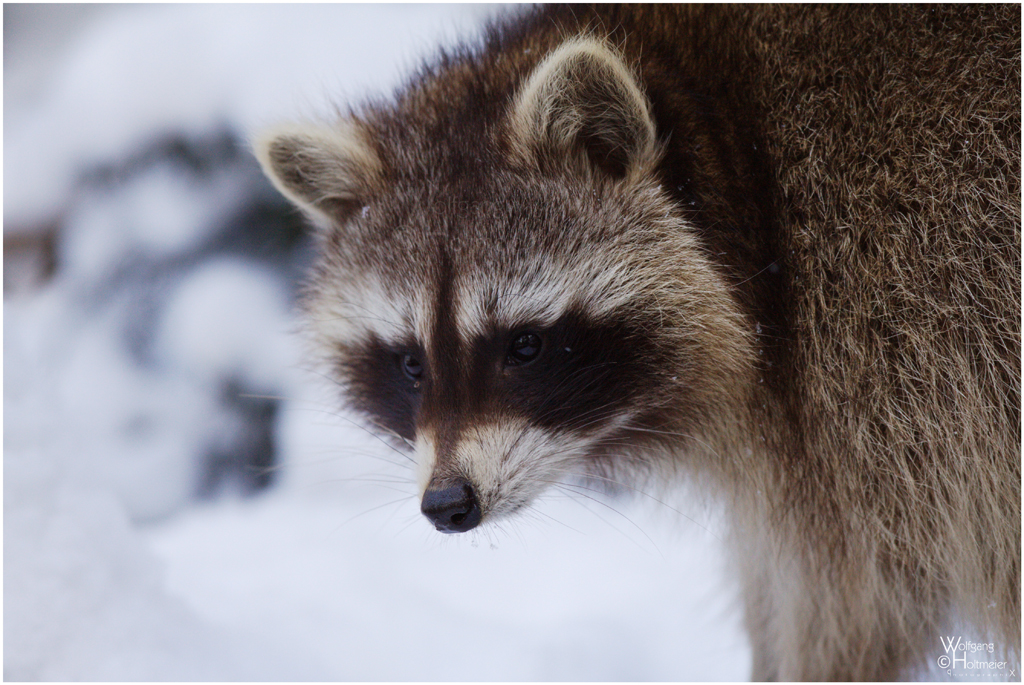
775,250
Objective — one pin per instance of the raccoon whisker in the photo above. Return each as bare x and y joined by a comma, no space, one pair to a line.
327,409
342,450
369,432
353,305
393,434
393,482
546,410
378,438
365,317
593,417
361,454
544,415
357,425
342,454
334,454
577,495
534,512
370,478
276,468
607,479
750,278
597,418
294,404
516,526
616,439
577,372
648,495
251,396
394,512
371,315
412,521
508,528
523,296
678,435
373,509
584,415
385,485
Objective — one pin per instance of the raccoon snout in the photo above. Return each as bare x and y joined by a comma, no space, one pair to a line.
451,506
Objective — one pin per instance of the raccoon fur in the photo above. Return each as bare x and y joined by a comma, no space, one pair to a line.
773,249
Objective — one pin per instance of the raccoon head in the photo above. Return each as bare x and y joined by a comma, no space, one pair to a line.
504,286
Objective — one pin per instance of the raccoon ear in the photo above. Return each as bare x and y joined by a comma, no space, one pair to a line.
326,170
583,96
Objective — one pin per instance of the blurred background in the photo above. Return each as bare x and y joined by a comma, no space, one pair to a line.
183,498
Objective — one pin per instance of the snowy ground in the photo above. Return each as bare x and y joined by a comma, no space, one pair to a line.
136,544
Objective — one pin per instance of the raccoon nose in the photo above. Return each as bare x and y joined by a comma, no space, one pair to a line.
451,506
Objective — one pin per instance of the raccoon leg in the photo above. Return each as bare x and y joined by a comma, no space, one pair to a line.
808,622
837,624
765,666
756,576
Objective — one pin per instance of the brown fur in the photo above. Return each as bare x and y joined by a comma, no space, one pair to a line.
828,229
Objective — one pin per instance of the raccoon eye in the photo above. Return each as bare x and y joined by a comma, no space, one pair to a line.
412,367
524,349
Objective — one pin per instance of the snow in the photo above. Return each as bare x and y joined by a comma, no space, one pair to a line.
374,597
116,373
143,71
249,311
